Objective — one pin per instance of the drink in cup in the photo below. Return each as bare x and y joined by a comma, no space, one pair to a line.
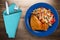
11,20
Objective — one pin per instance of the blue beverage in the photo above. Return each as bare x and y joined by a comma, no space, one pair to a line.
11,21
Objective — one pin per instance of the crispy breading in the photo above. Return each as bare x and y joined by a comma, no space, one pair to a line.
45,26
35,23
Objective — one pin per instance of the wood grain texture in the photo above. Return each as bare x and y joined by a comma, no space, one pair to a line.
22,32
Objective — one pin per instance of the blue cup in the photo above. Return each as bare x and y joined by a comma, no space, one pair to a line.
11,21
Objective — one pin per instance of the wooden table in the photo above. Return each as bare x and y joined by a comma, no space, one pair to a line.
22,33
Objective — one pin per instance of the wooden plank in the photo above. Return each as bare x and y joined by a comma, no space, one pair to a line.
1,4
2,1
56,4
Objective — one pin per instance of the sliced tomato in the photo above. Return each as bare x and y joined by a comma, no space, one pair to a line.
52,21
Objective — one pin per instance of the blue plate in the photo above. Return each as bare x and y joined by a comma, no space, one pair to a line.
40,33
